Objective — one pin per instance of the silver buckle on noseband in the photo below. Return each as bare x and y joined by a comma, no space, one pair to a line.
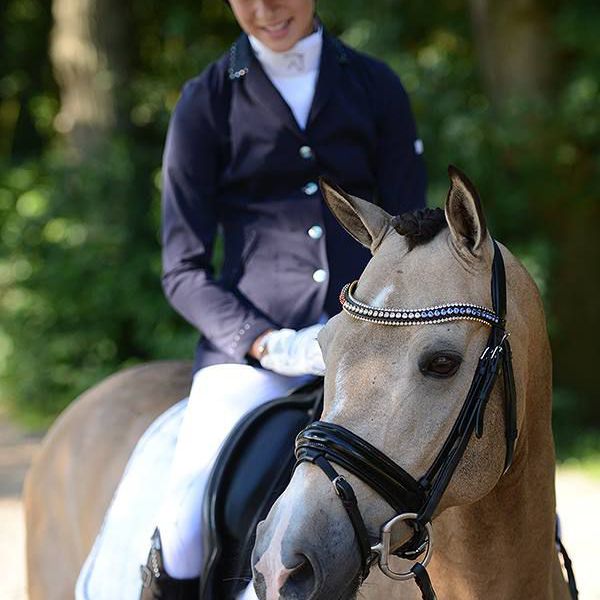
335,482
382,549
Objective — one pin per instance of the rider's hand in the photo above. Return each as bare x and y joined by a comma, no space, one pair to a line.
291,352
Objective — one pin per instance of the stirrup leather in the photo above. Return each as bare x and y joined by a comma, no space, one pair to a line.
157,584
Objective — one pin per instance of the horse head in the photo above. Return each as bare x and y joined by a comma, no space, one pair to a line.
397,379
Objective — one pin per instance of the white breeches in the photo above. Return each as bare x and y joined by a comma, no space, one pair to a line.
220,396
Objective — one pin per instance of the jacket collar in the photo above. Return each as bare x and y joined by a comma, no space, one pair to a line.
244,66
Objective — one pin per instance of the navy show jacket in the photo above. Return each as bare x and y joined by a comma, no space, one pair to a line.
236,161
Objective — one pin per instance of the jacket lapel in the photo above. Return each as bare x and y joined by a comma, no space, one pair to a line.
244,64
333,55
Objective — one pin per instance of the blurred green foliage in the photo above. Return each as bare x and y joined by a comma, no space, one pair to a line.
79,252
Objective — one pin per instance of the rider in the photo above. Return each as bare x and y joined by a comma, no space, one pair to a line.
246,144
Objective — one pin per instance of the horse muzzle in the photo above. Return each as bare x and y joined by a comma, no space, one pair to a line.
310,556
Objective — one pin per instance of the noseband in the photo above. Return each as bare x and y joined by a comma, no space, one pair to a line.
415,501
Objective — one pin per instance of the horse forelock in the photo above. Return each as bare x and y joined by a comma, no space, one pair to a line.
419,226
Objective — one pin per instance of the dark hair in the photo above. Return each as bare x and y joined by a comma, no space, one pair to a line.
420,226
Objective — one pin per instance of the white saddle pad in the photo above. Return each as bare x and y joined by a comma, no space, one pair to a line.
112,570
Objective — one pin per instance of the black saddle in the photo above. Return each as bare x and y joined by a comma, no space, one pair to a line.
251,471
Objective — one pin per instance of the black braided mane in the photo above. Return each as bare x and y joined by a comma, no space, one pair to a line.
420,226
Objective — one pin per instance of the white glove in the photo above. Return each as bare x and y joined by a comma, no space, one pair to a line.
291,352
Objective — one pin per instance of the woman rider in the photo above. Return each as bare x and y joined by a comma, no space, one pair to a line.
246,144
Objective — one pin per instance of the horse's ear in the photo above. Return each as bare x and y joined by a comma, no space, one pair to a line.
464,213
364,221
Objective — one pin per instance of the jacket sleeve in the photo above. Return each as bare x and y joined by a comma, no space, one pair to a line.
401,175
190,220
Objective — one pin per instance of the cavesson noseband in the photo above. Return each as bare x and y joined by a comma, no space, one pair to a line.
415,501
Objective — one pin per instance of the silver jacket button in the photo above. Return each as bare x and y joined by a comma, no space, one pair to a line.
306,152
315,232
310,188
320,275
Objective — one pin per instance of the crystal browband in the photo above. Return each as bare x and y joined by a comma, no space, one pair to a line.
402,316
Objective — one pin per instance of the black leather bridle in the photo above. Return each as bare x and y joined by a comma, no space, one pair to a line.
415,501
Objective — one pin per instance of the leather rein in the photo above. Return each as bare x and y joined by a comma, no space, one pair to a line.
415,501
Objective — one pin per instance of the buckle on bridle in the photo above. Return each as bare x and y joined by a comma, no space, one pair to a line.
414,553
382,549
337,487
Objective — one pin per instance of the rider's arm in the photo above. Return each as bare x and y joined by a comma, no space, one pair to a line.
190,179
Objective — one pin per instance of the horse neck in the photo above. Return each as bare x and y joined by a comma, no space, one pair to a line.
503,545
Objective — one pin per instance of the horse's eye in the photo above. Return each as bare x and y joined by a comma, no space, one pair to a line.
441,365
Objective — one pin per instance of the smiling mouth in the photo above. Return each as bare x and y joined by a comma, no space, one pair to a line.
277,27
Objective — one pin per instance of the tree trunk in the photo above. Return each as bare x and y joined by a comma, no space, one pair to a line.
515,46
89,58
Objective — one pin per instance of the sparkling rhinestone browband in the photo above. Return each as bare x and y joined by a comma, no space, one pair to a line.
402,316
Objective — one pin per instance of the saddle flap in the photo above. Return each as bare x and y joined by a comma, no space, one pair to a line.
253,468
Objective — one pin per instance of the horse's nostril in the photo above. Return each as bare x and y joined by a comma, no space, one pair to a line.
301,582
301,569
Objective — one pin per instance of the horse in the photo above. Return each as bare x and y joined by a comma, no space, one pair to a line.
494,532
428,432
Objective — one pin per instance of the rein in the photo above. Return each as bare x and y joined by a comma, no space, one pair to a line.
415,501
